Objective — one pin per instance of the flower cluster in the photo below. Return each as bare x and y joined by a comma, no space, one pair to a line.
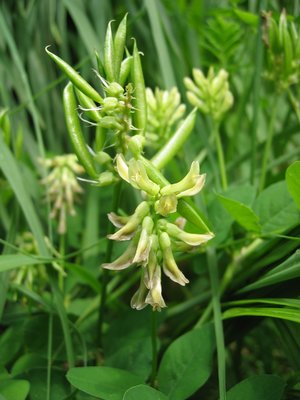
62,186
152,237
164,113
283,51
210,94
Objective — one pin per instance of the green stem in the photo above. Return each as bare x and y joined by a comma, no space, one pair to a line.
49,355
268,145
62,263
222,168
154,346
105,272
215,287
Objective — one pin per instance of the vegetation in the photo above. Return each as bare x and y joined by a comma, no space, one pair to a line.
150,195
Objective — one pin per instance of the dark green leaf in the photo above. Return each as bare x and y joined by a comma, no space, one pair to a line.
143,392
262,387
292,177
104,382
187,363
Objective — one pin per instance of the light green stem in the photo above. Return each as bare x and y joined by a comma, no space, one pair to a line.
222,168
268,145
49,356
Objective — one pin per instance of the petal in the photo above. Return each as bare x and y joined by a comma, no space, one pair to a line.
193,239
195,189
122,167
139,179
124,261
129,229
154,297
117,220
138,299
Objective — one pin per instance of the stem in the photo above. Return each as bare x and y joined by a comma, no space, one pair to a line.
268,145
154,346
49,356
62,262
216,134
105,272
214,280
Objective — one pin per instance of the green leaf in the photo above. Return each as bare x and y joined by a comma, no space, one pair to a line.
241,213
11,261
104,382
131,351
276,209
14,389
285,271
143,392
289,314
292,178
187,363
258,387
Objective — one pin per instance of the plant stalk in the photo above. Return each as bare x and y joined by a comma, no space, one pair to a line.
268,145
221,159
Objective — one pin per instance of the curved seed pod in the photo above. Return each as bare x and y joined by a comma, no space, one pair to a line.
75,132
75,78
119,46
88,106
109,55
140,115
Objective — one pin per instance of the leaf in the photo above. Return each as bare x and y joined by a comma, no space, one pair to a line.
285,271
132,350
276,209
258,387
187,363
8,262
241,213
104,382
143,392
289,314
14,389
292,178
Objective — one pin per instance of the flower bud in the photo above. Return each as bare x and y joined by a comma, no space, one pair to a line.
116,220
114,89
152,262
106,178
110,123
110,105
103,158
136,144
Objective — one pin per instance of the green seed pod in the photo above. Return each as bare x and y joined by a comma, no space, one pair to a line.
140,115
75,132
125,70
119,46
109,56
75,78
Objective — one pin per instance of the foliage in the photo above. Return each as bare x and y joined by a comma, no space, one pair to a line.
99,124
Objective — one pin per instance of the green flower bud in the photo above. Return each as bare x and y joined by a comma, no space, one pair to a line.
110,105
106,178
114,89
108,122
103,158
192,239
136,144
